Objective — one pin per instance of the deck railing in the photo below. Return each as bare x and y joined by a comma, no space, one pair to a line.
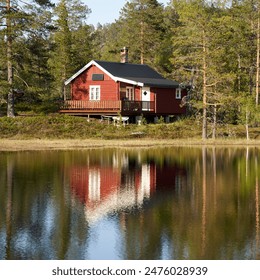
99,105
138,106
124,106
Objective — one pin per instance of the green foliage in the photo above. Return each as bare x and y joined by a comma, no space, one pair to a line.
71,40
142,19
212,53
161,120
208,45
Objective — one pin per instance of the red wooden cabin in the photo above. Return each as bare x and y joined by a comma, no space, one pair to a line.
110,88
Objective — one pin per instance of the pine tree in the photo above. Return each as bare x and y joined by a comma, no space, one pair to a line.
62,57
32,53
70,20
81,47
107,41
15,21
142,30
245,47
192,42
203,55
9,59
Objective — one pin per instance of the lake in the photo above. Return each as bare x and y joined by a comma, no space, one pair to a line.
130,204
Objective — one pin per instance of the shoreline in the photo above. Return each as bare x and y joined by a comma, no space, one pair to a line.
75,144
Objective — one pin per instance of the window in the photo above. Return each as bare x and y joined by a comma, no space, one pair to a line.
97,77
178,93
130,94
94,93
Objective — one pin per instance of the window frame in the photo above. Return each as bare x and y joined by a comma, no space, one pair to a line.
94,93
178,93
130,93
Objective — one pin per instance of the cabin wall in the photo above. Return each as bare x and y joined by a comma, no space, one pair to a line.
166,102
80,86
137,91
152,94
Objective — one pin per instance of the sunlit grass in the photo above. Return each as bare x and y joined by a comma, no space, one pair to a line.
60,131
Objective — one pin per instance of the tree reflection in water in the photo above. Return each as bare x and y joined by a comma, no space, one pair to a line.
156,203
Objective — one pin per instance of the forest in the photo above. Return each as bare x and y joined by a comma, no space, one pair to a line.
210,47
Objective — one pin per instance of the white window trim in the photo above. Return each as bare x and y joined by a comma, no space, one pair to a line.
132,97
96,93
178,93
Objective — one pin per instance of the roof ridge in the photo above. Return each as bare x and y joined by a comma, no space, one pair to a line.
127,63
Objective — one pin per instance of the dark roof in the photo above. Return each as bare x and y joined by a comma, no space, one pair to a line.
137,72
125,70
140,74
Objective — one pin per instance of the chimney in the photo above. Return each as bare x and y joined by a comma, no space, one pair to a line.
124,55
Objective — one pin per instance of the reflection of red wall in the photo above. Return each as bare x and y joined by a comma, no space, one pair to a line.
166,176
79,181
110,181
153,177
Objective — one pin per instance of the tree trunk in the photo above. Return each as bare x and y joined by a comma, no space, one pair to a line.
142,42
257,61
10,98
247,125
214,129
204,90
63,87
239,74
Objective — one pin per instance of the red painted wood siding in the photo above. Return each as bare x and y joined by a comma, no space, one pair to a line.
80,86
152,94
123,91
166,102
138,96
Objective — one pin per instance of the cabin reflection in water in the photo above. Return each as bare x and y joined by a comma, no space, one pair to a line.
105,189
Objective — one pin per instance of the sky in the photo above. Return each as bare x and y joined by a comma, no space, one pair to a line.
106,11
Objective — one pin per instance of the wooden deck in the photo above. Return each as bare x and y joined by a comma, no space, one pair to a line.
78,107
112,107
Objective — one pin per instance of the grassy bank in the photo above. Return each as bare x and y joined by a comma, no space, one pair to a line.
72,144
61,126
58,127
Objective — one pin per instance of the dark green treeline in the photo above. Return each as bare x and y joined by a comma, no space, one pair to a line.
211,46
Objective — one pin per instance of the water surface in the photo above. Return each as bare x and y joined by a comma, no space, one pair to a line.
157,203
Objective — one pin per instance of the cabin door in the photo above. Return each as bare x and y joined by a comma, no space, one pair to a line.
146,98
